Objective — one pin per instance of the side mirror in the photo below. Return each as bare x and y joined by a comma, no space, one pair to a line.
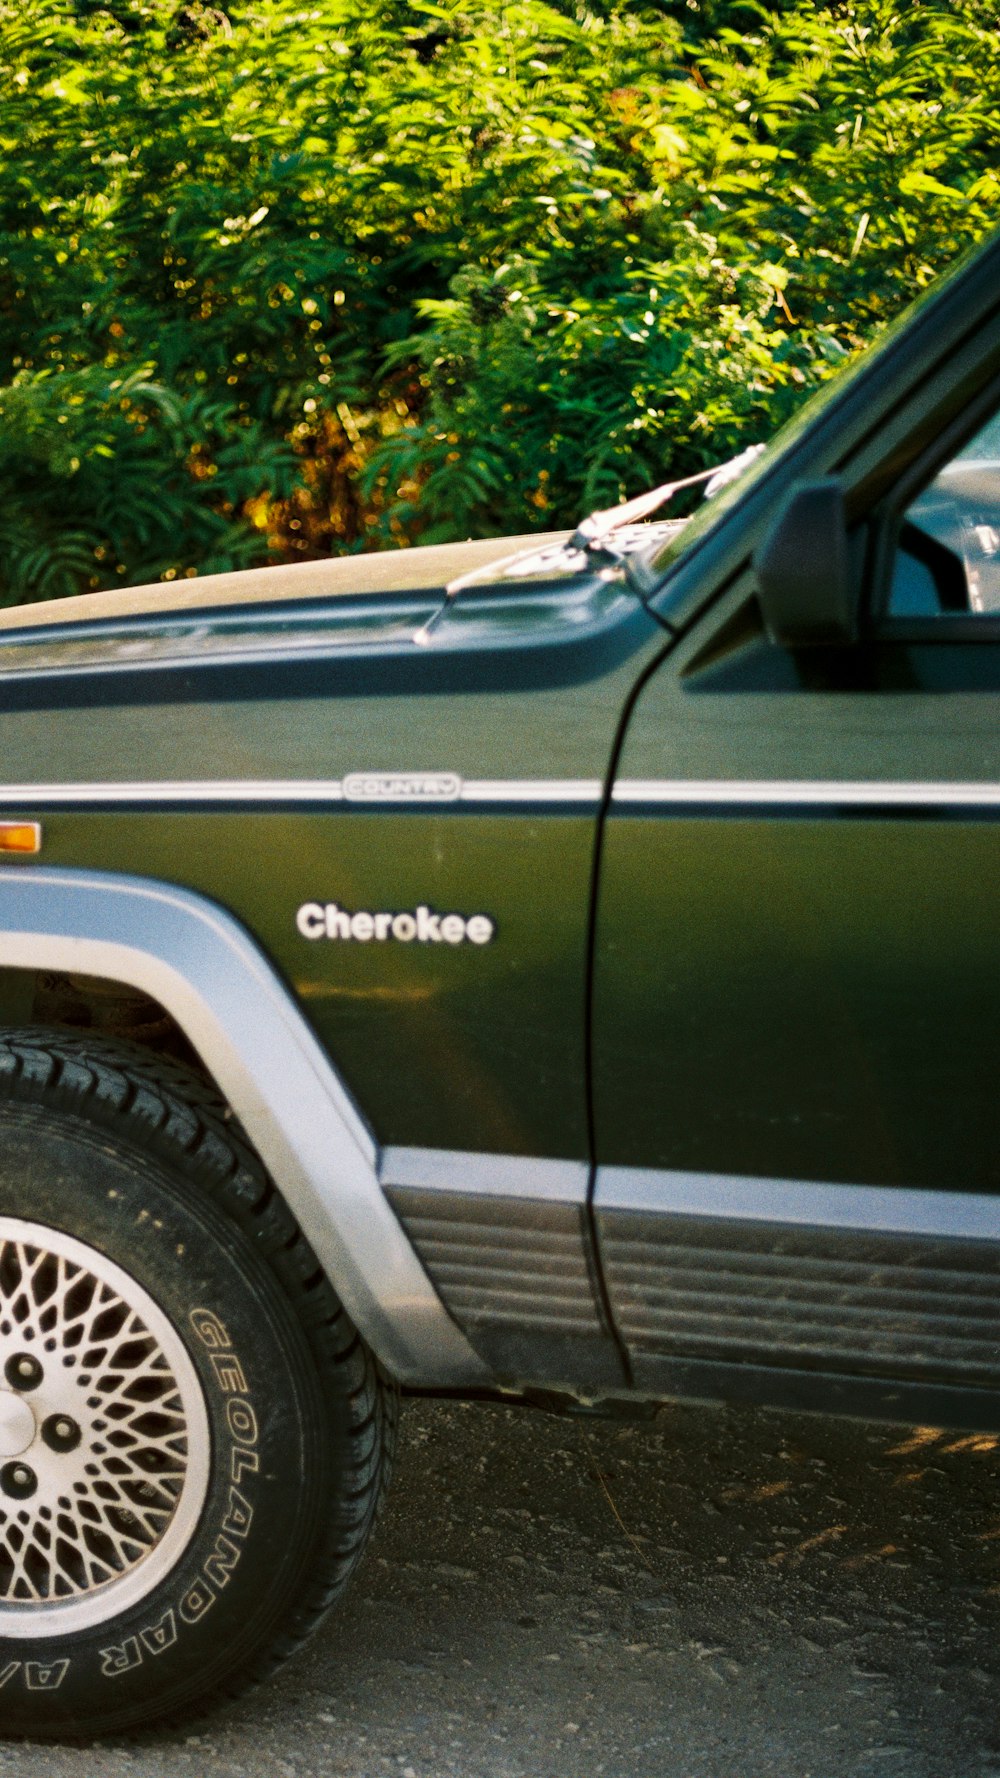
807,591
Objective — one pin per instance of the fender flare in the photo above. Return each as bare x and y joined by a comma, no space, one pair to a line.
212,978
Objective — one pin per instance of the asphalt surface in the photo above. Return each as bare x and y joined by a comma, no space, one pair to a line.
710,1595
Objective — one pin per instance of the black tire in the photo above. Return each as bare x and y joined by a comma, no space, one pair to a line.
248,1513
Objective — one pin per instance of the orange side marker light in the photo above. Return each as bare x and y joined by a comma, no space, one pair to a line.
20,836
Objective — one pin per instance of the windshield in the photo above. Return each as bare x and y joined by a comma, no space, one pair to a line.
661,553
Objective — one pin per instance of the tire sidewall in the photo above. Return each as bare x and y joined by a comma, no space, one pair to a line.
272,1458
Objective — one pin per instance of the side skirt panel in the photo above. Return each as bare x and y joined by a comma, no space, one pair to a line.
737,1287
506,1243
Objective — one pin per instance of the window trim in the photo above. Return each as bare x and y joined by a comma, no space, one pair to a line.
973,626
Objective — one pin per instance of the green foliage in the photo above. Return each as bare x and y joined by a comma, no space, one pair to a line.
538,405
283,278
98,468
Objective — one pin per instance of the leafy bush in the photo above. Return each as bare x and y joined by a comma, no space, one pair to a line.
101,468
286,279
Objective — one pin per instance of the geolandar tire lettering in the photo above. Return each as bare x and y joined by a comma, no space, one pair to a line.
181,1398
155,1638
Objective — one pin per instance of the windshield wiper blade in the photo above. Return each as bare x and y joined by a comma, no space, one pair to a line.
597,530
593,535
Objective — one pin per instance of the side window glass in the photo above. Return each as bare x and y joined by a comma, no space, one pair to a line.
948,559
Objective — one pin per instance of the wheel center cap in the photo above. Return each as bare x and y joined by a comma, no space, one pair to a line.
17,1424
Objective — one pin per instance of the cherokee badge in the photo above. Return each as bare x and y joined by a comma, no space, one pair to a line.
422,926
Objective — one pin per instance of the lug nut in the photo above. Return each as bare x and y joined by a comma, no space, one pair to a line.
61,1433
18,1481
23,1371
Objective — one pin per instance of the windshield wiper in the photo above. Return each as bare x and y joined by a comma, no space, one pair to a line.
595,533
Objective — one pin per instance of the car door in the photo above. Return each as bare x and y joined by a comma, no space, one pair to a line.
797,977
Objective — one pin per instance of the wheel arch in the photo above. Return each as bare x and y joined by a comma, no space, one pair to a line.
206,971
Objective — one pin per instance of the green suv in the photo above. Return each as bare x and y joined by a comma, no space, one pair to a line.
561,967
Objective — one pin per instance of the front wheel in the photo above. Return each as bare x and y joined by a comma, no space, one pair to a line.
193,1438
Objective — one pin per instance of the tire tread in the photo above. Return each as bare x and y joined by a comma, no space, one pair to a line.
164,1106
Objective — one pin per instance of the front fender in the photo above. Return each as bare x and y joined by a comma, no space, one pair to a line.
215,982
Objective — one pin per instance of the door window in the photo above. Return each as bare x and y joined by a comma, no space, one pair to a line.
948,559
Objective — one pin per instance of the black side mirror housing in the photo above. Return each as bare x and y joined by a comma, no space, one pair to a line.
807,590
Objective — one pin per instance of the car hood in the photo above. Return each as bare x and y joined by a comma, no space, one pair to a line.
388,571
490,593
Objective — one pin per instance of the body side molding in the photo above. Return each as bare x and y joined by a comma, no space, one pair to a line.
293,792
487,1175
627,793
820,793
869,1209
209,974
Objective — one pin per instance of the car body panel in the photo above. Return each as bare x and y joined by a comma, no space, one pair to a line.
791,977
235,771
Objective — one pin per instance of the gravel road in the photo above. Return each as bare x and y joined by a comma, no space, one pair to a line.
711,1594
